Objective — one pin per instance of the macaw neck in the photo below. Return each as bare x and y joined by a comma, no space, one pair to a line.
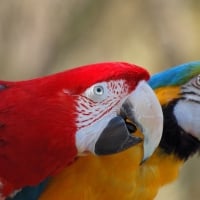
175,139
37,133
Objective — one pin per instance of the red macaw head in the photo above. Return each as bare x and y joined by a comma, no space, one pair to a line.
104,95
46,122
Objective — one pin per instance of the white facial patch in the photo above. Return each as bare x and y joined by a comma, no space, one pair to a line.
91,106
188,116
87,137
187,110
96,107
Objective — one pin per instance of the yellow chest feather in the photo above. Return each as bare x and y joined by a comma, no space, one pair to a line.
119,177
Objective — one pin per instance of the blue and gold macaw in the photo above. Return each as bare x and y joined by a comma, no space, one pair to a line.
121,176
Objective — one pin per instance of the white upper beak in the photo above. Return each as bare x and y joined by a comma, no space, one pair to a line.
143,108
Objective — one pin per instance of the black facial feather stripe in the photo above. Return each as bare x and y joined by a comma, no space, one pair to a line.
196,86
174,139
189,99
190,92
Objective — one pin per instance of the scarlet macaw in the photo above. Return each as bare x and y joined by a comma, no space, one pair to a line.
45,123
121,176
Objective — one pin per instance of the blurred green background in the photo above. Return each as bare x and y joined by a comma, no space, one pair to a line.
40,37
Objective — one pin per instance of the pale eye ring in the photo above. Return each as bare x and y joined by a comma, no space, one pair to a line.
98,90
198,80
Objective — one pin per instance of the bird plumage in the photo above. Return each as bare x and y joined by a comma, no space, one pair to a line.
121,176
45,123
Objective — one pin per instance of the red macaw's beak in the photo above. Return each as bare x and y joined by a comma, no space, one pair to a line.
143,109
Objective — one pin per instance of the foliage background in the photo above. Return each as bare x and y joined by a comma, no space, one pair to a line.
40,37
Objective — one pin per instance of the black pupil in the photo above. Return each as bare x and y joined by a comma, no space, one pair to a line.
98,89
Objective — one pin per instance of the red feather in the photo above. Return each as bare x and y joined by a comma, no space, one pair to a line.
37,121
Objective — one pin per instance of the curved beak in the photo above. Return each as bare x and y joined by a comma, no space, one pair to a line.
143,109
115,138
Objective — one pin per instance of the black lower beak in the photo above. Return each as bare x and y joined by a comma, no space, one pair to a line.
115,138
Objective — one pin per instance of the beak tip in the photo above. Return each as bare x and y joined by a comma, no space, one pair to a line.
147,115
144,160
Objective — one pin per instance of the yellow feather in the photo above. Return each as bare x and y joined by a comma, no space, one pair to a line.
119,176
167,94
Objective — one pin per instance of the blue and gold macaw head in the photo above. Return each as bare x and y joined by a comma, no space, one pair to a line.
170,84
178,90
175,76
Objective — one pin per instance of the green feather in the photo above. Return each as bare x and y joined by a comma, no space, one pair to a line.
175,76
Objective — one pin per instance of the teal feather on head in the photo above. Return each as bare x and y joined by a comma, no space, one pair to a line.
175,76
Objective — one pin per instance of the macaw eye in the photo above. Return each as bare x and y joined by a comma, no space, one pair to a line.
198,80
98,90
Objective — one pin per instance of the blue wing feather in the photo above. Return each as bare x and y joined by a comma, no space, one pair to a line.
30,193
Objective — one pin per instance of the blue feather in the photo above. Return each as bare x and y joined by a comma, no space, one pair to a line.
175,76
30,193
